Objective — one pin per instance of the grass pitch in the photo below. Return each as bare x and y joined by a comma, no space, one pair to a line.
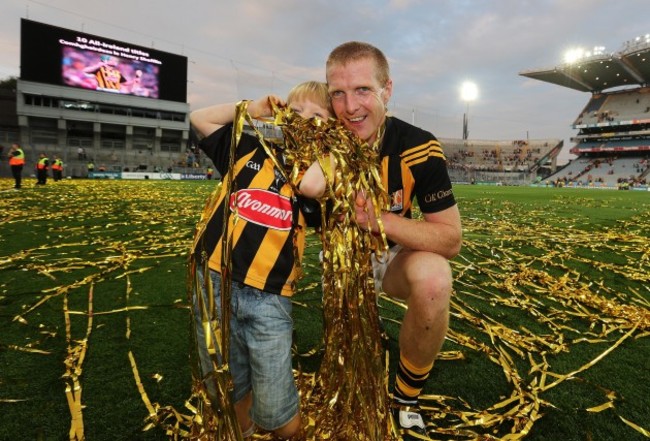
549,327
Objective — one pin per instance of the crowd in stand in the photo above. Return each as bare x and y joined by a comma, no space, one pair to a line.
593,174
520,158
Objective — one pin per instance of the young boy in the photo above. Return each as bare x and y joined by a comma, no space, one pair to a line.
269,228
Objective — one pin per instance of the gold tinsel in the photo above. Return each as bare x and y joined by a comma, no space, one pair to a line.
350,397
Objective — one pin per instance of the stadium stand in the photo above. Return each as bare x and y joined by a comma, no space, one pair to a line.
57,107
513,162
613,141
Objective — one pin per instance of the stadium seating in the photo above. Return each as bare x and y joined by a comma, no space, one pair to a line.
602,172
509,161
613,143
616,107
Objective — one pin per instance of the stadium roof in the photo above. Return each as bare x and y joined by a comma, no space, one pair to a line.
599,71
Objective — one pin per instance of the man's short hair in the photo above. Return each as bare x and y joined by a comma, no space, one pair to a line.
356,50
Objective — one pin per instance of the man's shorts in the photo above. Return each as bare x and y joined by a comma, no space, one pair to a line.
380,265
261,331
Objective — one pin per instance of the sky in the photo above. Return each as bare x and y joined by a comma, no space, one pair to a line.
246,49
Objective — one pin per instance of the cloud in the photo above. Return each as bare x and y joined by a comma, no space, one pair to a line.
248,48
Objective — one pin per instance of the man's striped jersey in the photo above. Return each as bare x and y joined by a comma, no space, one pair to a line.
109,78
414,165
268,223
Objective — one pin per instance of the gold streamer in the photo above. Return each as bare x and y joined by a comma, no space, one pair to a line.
216,329
350,399
73,363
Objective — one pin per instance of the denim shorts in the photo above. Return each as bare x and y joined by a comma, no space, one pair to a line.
261,330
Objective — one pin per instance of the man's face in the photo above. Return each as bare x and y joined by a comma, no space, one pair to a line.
358,99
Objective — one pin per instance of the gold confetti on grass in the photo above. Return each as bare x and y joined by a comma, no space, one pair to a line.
527,292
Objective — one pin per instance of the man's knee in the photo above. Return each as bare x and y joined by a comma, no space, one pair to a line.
422,275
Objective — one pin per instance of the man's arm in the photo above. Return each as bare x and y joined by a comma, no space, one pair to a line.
90,70
439,233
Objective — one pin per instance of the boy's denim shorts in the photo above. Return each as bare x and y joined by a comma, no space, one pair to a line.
261,331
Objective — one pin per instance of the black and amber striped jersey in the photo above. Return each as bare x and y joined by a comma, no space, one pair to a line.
413,165
109,78
267,225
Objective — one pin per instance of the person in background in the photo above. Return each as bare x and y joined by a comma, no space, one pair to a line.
41,169
17,162
107,73
416,269
57,168
135,87
209,173
90,167
263,261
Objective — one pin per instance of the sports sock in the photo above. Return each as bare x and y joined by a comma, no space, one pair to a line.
409,381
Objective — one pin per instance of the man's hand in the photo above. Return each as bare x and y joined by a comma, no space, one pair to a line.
364,213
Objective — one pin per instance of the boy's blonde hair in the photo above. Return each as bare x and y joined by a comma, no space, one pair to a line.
313,91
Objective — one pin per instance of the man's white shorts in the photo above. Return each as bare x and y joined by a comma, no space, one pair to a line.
380,265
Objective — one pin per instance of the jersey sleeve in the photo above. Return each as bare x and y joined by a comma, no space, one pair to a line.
433,186
217,147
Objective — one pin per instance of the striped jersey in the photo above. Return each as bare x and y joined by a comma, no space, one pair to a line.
268,221
109,78
414,165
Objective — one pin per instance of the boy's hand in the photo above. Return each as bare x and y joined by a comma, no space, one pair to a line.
261,107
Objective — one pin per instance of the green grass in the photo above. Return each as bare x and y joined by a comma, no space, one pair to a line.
560,274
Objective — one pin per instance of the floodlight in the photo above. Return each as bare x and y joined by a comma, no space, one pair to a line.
468,91
573,55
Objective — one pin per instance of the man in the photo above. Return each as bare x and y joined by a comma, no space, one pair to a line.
107,73
41,169
57,168
16,162
417,268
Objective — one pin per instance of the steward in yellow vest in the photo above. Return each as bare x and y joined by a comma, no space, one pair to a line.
57,169
17,162
41,169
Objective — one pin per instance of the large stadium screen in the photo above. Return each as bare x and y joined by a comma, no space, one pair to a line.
59,56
